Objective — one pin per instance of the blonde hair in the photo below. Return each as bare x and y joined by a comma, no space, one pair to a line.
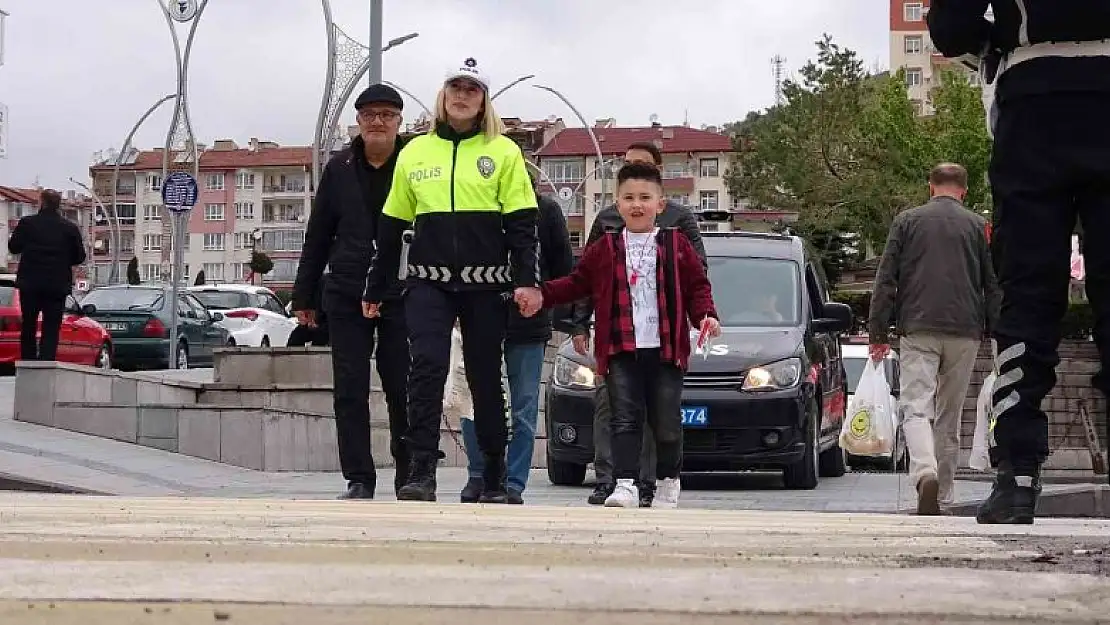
490,122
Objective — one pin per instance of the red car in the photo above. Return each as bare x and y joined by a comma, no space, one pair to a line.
82,341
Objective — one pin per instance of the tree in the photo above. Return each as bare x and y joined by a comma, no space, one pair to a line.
133,271
261,264
200,278
958,130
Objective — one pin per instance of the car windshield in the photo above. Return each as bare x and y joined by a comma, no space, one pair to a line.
125,299
853,368
755,291
223,300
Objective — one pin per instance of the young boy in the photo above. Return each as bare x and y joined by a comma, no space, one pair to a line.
648,286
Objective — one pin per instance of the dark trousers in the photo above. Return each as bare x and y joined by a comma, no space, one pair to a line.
51,306
482,315
603,443
303,335
352,344
642,389
1051,164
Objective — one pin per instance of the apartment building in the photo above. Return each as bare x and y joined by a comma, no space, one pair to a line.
912,49
16,203
257,197
694,166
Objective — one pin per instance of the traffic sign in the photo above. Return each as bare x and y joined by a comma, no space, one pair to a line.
566,193
179,192
183,10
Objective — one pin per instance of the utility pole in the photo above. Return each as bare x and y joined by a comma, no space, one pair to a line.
375,42
778,63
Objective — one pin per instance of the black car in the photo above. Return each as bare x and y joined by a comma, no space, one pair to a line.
770,393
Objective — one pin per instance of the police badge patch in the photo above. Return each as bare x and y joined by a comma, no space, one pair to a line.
486,166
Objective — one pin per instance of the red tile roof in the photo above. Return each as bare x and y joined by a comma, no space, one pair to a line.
33,196
293,156
670,139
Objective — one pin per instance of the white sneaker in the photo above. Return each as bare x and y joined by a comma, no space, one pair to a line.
625,495
666,493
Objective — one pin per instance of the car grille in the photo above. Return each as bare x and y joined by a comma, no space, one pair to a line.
713,380
713,441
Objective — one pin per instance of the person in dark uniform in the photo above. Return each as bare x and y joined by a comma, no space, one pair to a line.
50,247
341,231
609,220
1048,65
463,193
317,333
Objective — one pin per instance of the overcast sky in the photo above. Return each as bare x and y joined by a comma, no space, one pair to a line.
79,73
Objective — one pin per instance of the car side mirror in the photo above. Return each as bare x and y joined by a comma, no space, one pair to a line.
835,317
87,309
217,317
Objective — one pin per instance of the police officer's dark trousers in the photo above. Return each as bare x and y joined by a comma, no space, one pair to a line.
1051,165
352,344
432,311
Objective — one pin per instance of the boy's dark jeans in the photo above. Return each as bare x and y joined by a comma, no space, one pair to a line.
643,388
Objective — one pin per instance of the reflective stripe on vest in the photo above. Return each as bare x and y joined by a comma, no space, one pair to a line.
469,275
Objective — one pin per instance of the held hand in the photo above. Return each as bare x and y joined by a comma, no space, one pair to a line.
878,351
370,310
581,344
529,299
306,317
711,327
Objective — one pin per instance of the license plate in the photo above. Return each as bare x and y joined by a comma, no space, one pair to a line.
695,416
117,327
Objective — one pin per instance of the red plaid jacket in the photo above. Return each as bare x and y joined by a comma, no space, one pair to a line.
685,297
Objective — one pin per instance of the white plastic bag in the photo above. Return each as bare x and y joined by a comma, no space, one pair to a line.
980,445
868,429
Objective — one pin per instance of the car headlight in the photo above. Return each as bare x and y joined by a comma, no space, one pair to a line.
570,374
777,375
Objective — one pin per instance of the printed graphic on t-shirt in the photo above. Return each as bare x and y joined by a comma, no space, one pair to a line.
640,260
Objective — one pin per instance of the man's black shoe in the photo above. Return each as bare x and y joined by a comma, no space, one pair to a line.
514,497
472,491
600,494
421,485
1013,499
647,495
358,490
493,479
401,473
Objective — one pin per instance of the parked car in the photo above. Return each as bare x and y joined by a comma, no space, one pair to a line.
770,394
81,341
855,354
252,314
138,318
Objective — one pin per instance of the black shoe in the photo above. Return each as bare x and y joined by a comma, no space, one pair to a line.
514,497
1013,500
472,491
421,484
647,495
401,473
600,494
358,490
493,479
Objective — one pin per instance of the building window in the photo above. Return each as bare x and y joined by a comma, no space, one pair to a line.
214,182
913,11
709,226
152,212
283,240
152,243
913,77
213,271
679,198
576,239
243,240
566,170
281,212
239,271
126,214
677,169
918,107
600,202
244,181
127,242
244,210
709,168
154,182
285,270
214,212
914,44
708,200
214,242
151,272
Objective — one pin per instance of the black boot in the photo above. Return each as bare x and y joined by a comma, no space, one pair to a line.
402,468
421,485
472,491
600,494
358,490
1013,500
493,479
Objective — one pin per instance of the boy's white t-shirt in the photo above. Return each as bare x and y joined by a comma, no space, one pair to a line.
640,259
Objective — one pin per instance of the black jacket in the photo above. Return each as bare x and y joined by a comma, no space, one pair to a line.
675,215
49,246
958,27
343,225
556,260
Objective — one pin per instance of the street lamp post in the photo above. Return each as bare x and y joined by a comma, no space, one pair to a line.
256,236
112,225
376,41
511,85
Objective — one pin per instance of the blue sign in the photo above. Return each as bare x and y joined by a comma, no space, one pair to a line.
179,192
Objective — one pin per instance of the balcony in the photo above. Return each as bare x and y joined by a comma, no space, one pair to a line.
289,187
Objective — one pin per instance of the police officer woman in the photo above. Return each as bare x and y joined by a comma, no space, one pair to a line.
460,222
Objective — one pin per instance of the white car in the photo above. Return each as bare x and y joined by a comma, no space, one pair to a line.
252,314
855,357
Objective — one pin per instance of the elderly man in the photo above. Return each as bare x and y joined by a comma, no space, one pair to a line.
936,275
